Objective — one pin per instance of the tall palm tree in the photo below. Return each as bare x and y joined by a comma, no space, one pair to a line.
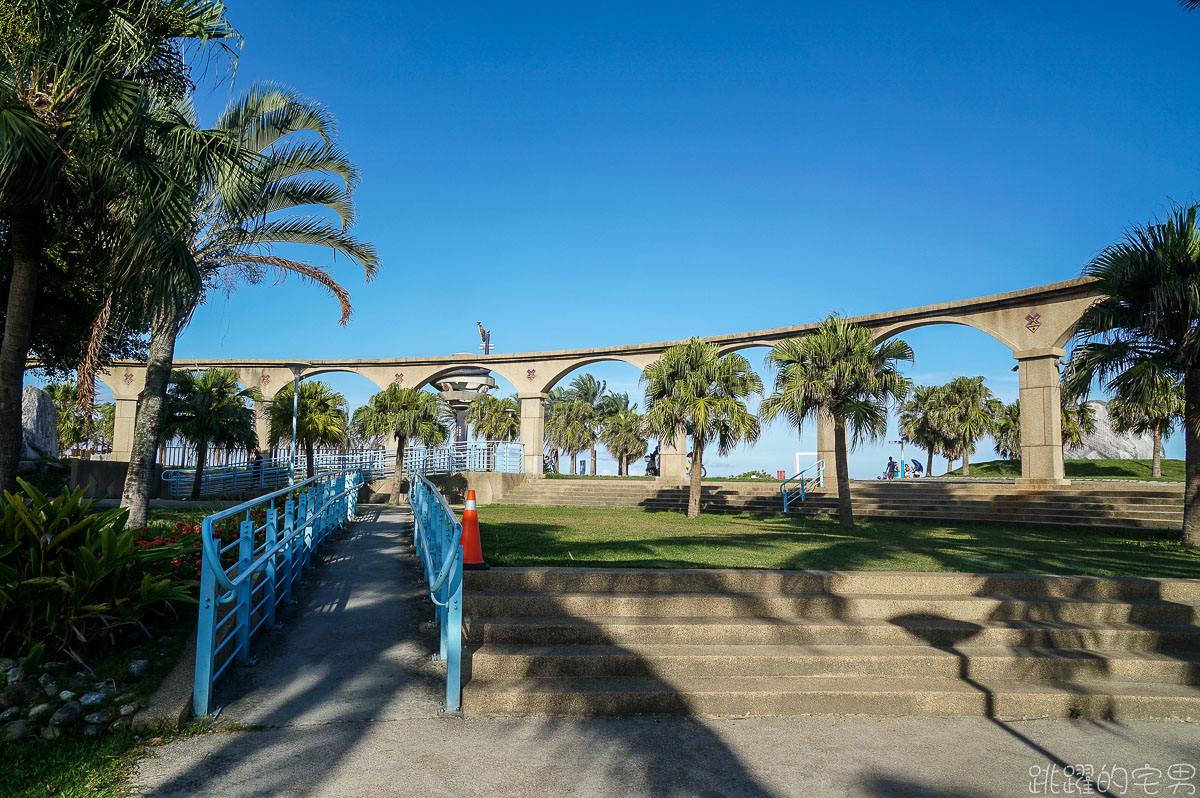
72,425
969,412
572,428
1007,433
1152,403
918,421
692,390
209,408
1146,324
86,91
236,229
321,418
838,370
554,400
408,415
594,393
494,418
1078,419
624,435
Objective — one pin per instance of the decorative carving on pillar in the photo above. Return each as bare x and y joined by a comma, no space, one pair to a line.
264,380
531,374
1033,321
128,378
399,378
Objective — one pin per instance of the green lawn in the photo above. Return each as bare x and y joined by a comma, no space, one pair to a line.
581,536
650,479
1083,469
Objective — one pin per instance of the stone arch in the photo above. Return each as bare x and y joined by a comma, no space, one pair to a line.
555,371
889,331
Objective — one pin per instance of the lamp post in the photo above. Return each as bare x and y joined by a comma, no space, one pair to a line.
459,389
903,462
297,370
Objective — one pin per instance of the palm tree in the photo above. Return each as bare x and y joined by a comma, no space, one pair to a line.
969,412
86,91
1007,433
408,415
555,399
235,230
918,421
321,418
209,408
594,393
692,390
1146,324
840,371
572,428
70,421
1078,419
492,418
623,434
1152,403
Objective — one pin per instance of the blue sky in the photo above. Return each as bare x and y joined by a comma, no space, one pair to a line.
576,177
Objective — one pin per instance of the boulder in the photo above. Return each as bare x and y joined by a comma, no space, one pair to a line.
1105,444
67,714
39,425
19,693
16,730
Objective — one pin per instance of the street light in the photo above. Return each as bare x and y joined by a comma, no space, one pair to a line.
902,460
297,369
459,389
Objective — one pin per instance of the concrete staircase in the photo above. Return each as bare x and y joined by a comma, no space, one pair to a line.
726,642
1083,504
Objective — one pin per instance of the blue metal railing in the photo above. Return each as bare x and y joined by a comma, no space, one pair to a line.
252,572
499,456
437,536
815,478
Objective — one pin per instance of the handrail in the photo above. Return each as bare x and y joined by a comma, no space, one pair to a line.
437,537
271,554
818,477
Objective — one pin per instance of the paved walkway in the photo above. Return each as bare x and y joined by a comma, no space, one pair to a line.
343,703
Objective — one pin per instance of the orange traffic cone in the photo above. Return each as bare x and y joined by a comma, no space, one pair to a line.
472,550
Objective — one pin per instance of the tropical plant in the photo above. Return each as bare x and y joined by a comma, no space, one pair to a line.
321,418
555,399
70,421
237,224
87,95
594,393
969,412
1007,432
572,428
1153,404
71,575
838,371
1145,325
494,418
209,409
409,415
104,427
918,421
1078,419
624,435
692,390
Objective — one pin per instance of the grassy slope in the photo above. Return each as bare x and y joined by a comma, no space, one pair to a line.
1084,469
580,536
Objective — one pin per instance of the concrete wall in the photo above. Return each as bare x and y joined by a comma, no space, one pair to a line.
105,479
489,488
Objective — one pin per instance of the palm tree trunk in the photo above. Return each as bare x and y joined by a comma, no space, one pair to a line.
693,510
929,463
1156,463
593,459
198,480
147,425
845,508
398,471
25,237
1191,439
310,452
966,458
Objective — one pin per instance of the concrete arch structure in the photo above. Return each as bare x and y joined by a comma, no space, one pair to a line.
1034,323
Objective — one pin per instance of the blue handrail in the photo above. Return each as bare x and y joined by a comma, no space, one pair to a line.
270,557
817,477
437,536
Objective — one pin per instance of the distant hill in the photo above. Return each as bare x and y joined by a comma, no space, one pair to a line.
1083,469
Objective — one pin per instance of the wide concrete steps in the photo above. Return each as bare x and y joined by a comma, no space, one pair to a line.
735,642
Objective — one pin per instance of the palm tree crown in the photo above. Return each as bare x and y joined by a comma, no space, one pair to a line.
970,412
409,415
209,408
321,417
918,421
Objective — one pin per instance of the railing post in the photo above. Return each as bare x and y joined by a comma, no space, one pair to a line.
244,588
205,635
272,537
289,551
454,634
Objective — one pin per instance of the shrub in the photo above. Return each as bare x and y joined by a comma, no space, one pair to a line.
70,576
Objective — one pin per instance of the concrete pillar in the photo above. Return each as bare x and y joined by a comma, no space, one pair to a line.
533,432
124,416
825,449
673,459
1041,418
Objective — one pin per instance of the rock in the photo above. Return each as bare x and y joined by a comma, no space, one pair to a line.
125,698
49,684
7,664
54,666
92,731
19,693
12,713
92,699
39,425
16,730
66,695
51,733
1105,444
139,667
15,674
39,710
99,718
67,714
126,710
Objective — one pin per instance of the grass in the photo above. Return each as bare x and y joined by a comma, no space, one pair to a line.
1084,469
650,479
591,537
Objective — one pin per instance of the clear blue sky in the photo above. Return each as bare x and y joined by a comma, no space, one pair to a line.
576,177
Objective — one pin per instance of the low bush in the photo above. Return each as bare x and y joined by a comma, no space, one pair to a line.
71,575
